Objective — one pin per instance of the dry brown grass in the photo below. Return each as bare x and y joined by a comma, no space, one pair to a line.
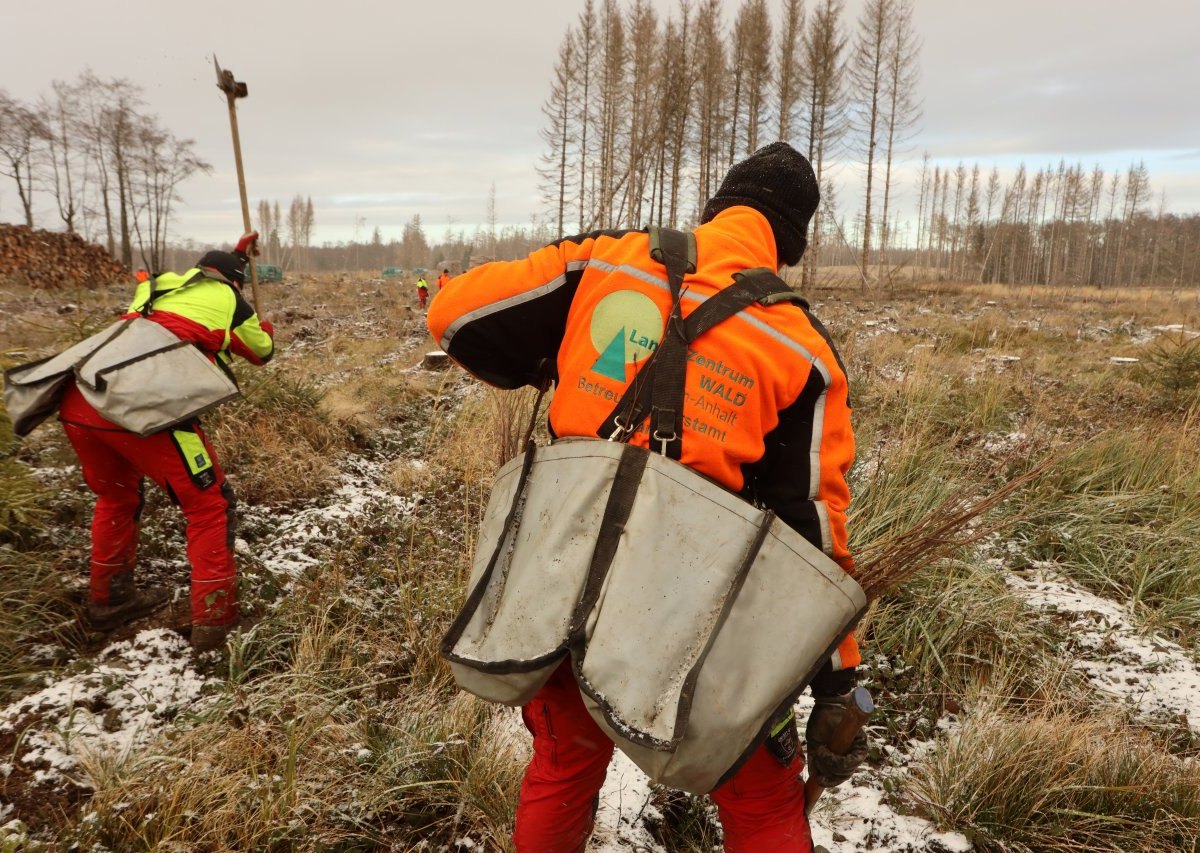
338,729
1052,780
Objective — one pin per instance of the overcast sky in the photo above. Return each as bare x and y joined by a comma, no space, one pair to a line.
380,110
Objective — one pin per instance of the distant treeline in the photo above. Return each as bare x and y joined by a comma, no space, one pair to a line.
1063,225
457,250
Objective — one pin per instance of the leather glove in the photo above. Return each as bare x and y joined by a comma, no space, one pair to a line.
247,244
825,766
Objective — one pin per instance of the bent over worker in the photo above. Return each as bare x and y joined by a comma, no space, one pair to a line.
766,414
205,307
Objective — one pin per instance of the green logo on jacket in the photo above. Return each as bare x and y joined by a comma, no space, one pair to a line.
626,328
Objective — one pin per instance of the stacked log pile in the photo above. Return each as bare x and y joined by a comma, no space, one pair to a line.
47,259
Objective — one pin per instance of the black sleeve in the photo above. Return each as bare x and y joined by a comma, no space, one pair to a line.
781,480
506,348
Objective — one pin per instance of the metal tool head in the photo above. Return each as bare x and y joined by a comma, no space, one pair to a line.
227,84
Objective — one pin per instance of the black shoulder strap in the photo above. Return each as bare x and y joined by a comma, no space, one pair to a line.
657,390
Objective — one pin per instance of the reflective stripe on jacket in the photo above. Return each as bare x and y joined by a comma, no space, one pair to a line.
766,410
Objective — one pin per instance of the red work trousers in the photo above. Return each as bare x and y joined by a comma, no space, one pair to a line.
761,807
114,461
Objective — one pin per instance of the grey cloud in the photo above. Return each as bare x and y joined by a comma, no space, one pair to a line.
388,110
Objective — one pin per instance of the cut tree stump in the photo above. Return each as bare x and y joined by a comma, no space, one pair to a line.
436,360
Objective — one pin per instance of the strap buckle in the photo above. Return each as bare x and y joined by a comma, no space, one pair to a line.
622,431
664,440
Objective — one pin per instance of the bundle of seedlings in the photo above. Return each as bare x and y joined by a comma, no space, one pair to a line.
945,530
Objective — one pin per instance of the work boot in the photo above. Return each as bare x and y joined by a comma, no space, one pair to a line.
142,602
205,638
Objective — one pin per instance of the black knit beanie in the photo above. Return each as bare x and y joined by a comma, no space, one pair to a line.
779,183
232,265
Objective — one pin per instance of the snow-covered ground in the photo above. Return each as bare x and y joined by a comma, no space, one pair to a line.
104,709
852,817
1154,676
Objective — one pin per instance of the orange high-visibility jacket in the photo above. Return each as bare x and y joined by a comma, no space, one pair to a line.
766,410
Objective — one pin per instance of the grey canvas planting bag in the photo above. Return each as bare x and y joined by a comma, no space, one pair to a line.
691,616
707,617
136,373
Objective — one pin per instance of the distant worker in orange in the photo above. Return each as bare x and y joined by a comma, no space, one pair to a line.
443,280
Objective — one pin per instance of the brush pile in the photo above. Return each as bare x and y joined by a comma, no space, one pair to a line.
49,260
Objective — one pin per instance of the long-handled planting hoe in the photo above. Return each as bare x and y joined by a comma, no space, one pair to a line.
233,90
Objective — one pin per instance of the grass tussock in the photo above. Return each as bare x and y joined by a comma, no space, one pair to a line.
1055,781
1121,515
33,597
36,606
341,729
955,628
320,773
279,440
22,505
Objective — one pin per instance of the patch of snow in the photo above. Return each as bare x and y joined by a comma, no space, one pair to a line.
994,442
855,817
894,373
133,691
624,800
299,538
52,473
851,817
1152,675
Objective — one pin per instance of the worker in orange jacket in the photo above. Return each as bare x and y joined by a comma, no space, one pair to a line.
766,414
205,307
443,280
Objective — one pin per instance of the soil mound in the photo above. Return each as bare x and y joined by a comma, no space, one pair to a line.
48,259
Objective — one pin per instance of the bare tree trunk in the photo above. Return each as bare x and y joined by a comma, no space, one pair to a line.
681,77
922,195
586,41
758,71
557,108
710,56
867,73
824,46
22,132
972,219
902,110
789,71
